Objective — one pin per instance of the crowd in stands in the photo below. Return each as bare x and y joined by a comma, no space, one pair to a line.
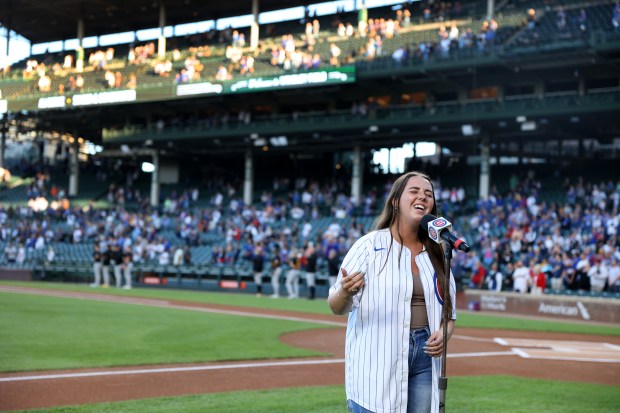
526,245
298,49
521,242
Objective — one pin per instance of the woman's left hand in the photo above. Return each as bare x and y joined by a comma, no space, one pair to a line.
434,345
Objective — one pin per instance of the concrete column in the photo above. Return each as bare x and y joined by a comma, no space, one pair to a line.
79,52
490,9
161,44
248,182
74,167
581,86
254,35
4,60
155,180
485,169
356,176
5,130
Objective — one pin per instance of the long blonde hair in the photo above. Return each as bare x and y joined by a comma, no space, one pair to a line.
389,216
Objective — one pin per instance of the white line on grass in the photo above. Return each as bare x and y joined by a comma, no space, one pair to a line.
482,354
215,367
171,370
470,338
523,352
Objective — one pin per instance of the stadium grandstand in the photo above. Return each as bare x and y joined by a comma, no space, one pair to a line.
194,153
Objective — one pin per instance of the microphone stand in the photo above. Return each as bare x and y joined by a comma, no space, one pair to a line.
443,380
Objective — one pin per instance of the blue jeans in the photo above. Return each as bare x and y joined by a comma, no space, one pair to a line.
420,373
356,408
420,376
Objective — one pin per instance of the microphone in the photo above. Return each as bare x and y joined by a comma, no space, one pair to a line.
439,230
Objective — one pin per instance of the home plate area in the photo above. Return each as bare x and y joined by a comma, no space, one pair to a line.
562,350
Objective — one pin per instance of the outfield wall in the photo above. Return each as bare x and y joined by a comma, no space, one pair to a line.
8,274
566,307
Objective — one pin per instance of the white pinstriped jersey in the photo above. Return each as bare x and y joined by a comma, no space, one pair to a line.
377,341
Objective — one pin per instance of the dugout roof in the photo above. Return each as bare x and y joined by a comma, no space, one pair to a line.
44,20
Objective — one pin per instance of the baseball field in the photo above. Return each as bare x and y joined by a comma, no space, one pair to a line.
70,348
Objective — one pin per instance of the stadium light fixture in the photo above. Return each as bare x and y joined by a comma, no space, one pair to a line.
148,167
469,130
528,126
278,141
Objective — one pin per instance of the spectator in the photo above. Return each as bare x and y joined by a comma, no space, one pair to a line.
477,280
292,276
164,257
127,266
187,256
258,262
613,276
334,55
79,83
177,257
276,271
495,278
97,265
133,82
598,276
50,256
311,257
582,20
10,253
539,280
531,19
580,279
110,79
116,259
521,278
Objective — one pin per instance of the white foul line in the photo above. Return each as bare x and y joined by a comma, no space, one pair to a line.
214,367
483,354
171,370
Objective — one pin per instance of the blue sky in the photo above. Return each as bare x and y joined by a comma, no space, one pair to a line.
20,47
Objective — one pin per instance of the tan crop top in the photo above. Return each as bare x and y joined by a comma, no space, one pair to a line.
419,317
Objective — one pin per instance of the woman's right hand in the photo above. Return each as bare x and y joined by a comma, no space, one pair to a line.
351,283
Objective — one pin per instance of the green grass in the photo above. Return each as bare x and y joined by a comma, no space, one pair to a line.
465,319
473,320
38,332
464,395
318,306
55,333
